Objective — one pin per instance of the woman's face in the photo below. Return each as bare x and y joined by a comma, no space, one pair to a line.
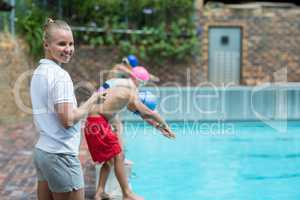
60,47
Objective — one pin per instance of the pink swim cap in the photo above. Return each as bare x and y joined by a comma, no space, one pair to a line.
140,73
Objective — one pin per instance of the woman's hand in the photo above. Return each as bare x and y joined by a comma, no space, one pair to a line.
154,78
98,97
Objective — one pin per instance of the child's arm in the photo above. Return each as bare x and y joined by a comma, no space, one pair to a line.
119,69
153,118
124,69
161,126
154,78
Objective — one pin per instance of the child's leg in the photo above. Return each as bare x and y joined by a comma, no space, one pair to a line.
104,173
122,178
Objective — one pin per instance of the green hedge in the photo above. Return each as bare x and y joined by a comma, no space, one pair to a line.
168,26
29,25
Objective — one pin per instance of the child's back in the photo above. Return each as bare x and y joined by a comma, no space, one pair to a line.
118,95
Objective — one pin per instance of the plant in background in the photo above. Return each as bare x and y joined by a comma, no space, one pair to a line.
166,29
29,22
168,26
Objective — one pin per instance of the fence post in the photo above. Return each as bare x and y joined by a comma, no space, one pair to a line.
12,17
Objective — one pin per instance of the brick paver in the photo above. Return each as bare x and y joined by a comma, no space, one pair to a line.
17,172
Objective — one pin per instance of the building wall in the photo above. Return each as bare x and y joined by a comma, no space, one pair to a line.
14,79
270,46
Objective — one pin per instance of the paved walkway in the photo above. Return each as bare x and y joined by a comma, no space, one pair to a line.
17,173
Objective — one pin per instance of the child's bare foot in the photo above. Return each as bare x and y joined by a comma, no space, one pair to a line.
132,196
102,196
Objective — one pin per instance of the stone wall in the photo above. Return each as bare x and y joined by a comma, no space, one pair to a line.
270,46
89,66
13,63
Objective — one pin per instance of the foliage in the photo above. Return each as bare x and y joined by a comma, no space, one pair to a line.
166,27
4,22
29,22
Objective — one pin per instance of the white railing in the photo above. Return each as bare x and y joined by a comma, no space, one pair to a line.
265,102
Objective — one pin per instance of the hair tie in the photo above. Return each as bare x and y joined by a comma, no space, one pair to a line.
50,20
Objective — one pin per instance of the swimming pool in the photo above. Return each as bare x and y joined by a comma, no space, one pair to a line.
215,161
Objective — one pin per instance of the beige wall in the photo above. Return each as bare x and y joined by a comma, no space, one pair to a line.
13,63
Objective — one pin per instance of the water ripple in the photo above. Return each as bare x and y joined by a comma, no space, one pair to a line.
283,176
274,156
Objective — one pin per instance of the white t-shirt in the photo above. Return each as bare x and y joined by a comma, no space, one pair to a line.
50,85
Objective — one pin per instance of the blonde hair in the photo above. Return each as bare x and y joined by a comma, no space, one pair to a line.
51,25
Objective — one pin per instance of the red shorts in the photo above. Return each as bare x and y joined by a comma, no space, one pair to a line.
102,142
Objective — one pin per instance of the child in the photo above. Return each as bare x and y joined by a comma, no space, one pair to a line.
103,143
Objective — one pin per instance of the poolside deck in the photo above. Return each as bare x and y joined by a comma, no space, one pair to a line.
17,173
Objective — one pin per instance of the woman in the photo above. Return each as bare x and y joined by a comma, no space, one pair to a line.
57,118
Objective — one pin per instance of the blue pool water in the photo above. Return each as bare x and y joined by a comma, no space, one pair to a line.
215,161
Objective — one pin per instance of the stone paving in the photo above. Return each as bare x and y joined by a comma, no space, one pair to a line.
17,172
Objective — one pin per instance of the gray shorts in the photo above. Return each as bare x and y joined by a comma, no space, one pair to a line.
62,171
